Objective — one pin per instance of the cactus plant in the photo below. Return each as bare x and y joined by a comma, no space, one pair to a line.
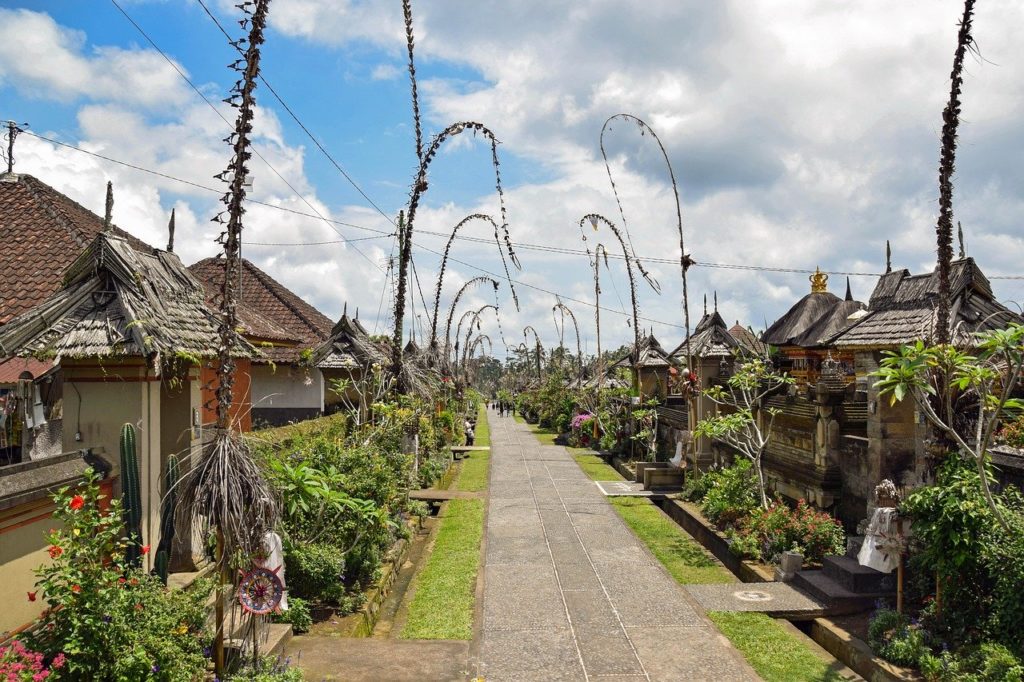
167,510
131,496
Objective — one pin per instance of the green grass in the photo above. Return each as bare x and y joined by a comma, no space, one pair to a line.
684,557
445,590
473,470
595,467
776,655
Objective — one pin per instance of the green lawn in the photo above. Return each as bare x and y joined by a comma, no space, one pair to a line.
445,590
684,557
473,470
596,468
776,655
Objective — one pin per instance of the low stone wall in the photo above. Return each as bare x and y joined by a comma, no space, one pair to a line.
857,655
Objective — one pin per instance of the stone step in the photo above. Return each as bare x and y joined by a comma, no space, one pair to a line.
666,478
839,599
856,578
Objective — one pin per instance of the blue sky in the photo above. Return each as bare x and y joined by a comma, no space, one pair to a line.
802,135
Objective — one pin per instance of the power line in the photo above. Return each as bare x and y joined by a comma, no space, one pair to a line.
300,123
226,121
480,240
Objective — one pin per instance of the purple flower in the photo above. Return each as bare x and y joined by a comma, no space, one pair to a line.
156,668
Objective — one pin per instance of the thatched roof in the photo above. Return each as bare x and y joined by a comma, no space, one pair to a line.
710,339
652,355
348,347
815,318
117,301
41,233
271,315
903,308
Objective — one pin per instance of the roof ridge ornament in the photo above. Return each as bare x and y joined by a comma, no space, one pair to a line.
819,281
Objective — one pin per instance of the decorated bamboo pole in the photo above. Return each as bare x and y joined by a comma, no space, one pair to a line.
451,310
537,344
596,219
947,165
419,187
599,250
444,264
684,259
564,309
226,488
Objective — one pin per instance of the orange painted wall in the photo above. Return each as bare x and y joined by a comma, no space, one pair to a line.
241,404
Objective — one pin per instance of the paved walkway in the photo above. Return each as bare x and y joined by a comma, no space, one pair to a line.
570,593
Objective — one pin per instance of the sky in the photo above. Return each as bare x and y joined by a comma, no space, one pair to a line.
801,134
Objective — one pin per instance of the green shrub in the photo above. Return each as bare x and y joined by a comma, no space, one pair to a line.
986,663
744,545
313,569
895,639
779,528
731,495
297,615
698,484
99,605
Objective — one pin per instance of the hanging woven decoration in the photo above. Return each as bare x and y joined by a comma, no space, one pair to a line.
260,590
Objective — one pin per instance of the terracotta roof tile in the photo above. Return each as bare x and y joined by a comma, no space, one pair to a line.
42,232
268,311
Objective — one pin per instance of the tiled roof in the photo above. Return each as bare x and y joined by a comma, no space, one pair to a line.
12,368
748,340
903,309
268,311
41,233
117,301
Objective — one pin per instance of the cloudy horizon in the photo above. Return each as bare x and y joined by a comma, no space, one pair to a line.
802,135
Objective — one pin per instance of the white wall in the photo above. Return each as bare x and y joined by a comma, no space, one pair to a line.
286,386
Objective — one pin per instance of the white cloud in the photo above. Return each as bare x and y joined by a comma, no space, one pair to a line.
801,135
50,61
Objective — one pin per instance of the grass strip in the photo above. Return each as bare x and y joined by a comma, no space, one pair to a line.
473,469
684,557
776,655
445,590
596,468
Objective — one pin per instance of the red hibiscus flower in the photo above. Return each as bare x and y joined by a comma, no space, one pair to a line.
77,502
76,588
32,595
145,549
55,551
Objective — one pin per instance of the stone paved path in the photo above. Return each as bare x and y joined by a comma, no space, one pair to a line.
570,593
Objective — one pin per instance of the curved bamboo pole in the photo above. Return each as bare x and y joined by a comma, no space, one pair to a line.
444,265
455,302
594,219
540,348
579,350
684,260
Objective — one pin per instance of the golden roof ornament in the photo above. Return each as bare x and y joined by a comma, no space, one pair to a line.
819,281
